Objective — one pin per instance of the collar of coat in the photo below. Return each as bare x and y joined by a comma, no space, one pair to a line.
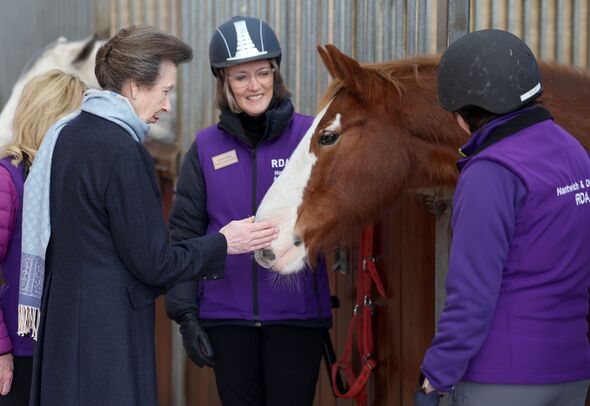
277,117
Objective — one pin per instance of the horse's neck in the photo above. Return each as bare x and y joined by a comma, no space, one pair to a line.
566,95
433,134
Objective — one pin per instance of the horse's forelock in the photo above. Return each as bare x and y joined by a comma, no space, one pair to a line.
333,88
400,74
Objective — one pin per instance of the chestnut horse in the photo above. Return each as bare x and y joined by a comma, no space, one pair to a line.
380,132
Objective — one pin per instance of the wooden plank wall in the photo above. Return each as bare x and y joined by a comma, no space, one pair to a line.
166,164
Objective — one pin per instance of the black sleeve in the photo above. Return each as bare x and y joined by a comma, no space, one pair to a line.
138,230
188,218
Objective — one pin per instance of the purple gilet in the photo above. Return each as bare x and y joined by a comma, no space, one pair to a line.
519,268
21,346
234,191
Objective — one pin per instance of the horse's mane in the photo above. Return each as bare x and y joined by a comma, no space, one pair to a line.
573,84
569,75
430,130
405,71
396,73
566,94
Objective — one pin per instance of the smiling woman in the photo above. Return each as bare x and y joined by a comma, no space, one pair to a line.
249,317
251,85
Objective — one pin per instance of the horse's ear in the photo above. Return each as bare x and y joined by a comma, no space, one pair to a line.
86,50
343,67
328,62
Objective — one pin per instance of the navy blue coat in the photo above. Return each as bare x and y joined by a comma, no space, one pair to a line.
107,260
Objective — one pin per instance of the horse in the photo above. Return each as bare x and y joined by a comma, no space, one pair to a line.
78,58
381,132
75,57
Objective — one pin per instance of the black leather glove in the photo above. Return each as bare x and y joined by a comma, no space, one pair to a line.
195,340
423,399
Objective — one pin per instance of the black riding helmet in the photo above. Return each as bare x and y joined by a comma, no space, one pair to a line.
242,39
490,69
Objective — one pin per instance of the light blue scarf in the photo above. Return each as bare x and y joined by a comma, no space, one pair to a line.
36,211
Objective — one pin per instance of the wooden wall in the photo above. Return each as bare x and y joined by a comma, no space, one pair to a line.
166,165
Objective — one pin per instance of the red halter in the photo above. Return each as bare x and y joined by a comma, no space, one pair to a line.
362,323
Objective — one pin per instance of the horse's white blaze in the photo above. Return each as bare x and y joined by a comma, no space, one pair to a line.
281,202
335,124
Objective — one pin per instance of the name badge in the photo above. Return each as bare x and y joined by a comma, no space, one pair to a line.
226,159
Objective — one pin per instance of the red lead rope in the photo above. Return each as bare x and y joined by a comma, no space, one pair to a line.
362,324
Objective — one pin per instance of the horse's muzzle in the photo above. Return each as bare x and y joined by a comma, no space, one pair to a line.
268,255
265,257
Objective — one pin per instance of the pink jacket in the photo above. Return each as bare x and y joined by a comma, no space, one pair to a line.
8,212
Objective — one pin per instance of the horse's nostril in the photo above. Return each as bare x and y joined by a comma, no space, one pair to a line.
268,255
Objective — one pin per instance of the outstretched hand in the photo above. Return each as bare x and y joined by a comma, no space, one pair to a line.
245,235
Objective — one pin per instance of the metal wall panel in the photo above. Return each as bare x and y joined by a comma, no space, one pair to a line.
27,26
556,30
369,31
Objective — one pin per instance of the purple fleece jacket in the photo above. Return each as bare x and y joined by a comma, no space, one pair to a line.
519,269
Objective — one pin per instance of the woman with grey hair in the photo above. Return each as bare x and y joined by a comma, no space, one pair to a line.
103,255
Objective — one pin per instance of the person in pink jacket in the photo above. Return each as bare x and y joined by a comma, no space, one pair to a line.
44,100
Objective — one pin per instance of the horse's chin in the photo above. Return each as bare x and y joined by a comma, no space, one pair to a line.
295,263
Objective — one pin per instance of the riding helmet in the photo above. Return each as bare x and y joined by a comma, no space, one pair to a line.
490,69
242,39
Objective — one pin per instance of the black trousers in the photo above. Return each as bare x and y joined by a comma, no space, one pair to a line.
21,383
266,366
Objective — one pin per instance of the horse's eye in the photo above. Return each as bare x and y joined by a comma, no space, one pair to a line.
328,138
